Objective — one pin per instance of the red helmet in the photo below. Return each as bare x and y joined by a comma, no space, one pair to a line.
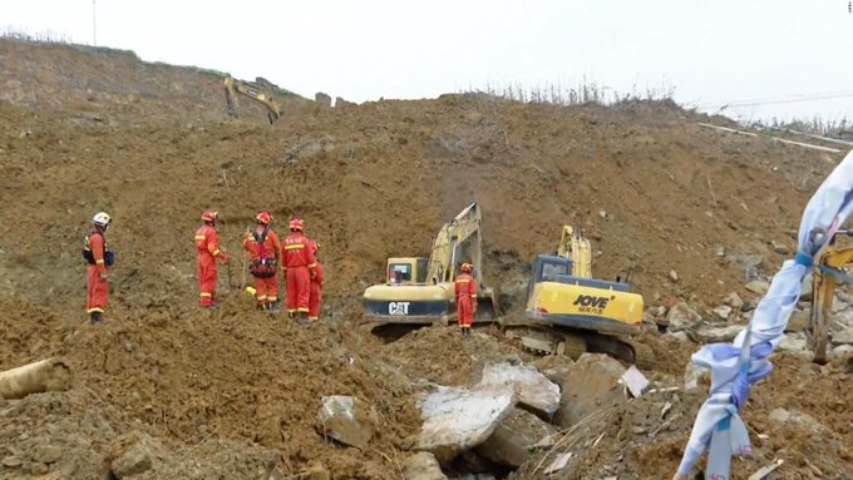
297,224
466,267
209,215
264,218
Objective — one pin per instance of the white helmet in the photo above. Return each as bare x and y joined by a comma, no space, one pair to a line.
102,219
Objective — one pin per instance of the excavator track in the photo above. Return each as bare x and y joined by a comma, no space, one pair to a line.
573,343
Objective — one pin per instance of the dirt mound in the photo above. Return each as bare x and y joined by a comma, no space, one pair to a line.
84,130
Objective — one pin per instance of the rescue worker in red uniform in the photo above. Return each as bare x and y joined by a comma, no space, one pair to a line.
99,260
300,267
466,298
265,253
208,252
316,292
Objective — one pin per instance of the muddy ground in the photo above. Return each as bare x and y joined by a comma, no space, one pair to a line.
235,394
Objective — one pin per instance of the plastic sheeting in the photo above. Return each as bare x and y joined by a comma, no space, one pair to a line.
735,368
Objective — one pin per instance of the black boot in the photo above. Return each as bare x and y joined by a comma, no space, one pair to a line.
96,318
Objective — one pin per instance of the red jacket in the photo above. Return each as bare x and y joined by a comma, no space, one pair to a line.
271,246
97,245
207,243
466,288
296,251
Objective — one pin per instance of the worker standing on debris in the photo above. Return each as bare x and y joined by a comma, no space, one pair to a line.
316,291
265,252
300,266
99,259
466,298
207,253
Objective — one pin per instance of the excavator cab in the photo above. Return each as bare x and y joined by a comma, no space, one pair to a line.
406,271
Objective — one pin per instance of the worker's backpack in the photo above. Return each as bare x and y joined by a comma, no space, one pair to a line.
109,256
263,267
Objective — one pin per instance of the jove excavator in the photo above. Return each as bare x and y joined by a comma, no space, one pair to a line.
568,312
420,291
234,88
829,273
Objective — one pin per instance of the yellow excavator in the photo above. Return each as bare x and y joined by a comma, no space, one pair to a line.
234,88
420,291
568,312
829,272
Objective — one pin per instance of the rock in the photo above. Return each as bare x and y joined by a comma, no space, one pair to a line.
733,300
534,390
47,454
682,317
695,376
681,336
720,250
634,381
722,312
798,322
839,305
510,443
422,466
841,351
758,286
717,334
317,472
794,342
137,458
673,275
323,99
748,263
780,247
457,419
593,382
806,290
341,102
844,337
797,419
347,420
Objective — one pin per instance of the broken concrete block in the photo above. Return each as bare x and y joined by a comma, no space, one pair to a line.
682,317
534,389
511,442
347,420
717,334
722,312
798,322
138,455
794,343
733,300
759,287
634,381
843,337
457,419
422,466
594,382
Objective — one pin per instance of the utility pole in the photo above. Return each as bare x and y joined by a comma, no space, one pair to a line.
94,26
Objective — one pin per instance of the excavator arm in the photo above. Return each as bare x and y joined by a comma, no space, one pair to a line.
829,273
234,88
575,247
458,240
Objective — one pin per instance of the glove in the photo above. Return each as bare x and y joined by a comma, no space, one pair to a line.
103,275
313,274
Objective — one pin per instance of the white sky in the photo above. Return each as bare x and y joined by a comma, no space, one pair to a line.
712,52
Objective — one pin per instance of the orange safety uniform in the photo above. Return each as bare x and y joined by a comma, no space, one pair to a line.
97,288
316,291
466,299
299,262
207,249
264,250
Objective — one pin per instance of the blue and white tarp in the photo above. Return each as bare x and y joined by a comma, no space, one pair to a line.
735,368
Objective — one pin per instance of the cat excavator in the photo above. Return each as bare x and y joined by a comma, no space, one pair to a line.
420,291
568,312
234,88
828,274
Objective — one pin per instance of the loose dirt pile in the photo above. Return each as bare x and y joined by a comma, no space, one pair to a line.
84,130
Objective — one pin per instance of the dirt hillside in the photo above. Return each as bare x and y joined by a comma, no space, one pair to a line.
668,204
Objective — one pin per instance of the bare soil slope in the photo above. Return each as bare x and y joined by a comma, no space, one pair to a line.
84,130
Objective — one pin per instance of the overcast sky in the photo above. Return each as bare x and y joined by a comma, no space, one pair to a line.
711,52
